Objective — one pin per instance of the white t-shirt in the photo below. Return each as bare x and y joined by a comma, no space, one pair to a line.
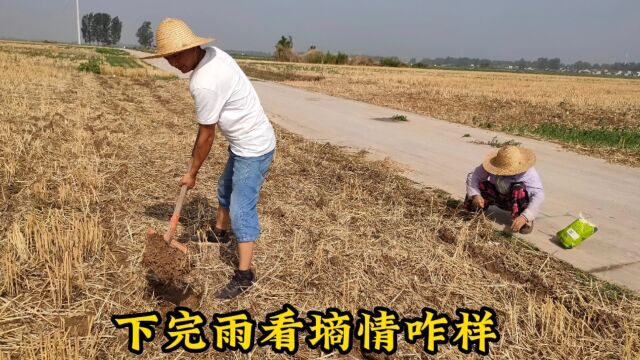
224,95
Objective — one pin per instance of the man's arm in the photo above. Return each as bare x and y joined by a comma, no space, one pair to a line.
200,151
202,146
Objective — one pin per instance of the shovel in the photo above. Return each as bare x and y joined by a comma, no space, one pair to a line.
173,223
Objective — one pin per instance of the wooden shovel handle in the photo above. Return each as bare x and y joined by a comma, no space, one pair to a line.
178,208
175,218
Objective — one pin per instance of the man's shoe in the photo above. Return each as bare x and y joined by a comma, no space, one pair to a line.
241,281
212,236
526,229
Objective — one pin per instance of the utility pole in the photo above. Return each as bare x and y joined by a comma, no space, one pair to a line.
78,18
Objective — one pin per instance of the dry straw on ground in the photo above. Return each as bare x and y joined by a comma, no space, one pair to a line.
71,56
89,162
515,103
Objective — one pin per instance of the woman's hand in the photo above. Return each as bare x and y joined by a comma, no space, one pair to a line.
518,223
478,202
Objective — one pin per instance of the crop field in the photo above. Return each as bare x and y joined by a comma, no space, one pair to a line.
89,162
595,116
105,61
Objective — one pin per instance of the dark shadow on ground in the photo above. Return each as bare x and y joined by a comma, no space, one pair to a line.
174,293
494,213
456,208
160,211
611,267
556,241
229,253
196,214
390,120
499,216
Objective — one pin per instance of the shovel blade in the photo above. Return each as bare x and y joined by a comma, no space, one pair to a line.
179,246
174,244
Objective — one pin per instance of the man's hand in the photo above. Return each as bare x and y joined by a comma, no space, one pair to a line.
189,180
518,223
478,202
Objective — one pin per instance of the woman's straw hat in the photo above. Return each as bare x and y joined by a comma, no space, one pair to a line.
173,36
509,160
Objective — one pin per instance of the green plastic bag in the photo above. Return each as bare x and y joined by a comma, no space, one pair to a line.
574,234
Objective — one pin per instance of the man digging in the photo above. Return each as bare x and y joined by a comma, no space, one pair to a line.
224,97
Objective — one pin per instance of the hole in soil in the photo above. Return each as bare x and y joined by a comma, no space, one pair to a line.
167,268
177,293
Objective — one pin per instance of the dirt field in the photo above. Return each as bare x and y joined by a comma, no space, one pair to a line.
89,162
596,116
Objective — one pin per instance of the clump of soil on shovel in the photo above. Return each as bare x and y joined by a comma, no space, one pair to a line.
167,264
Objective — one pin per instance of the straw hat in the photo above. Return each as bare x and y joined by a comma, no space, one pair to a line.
173,36
509,160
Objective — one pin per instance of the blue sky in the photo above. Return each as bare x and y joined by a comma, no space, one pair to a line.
595,31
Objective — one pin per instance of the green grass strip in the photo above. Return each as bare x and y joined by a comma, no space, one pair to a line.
617,138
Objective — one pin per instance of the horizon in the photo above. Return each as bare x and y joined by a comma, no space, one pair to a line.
497,30
418,60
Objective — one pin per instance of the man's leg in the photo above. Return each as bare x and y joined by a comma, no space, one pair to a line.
245,253
248,177
220,231
222,218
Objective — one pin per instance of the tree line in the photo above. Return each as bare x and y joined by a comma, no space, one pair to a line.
465,62
101,28
541,64
284,52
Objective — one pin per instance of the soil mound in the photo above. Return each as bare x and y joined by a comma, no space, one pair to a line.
164,262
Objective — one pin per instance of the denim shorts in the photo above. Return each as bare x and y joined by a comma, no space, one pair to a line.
239,191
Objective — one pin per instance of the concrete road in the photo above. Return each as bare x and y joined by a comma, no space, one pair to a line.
440,154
